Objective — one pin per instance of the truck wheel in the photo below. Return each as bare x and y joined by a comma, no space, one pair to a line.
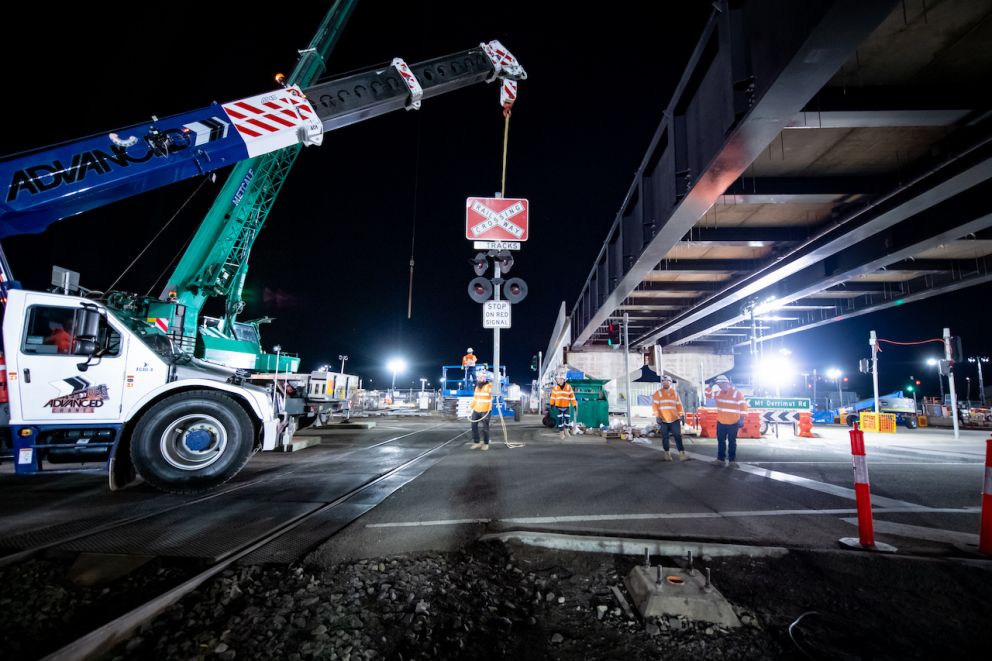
517,413
912,423
851,419
192,441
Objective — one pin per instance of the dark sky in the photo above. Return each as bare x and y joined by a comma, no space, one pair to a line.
332,262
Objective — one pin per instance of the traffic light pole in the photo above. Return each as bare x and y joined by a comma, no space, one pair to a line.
873,341
950,380
626,368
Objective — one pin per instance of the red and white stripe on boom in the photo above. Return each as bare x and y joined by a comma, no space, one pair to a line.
274,120
505,67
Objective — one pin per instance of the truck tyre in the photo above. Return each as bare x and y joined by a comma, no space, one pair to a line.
517,413
192,442
911,423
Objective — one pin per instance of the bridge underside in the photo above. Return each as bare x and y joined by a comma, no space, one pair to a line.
818,161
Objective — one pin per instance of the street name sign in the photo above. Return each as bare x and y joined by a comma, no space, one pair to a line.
496,314
784,403
496,219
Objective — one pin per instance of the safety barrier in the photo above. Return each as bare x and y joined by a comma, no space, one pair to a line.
922,421
707,422
985,534
806,425
868,421
887,423
752,425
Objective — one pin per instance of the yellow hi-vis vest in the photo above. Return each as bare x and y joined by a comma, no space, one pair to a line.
563,396
730,406
468,360
666,404
482,398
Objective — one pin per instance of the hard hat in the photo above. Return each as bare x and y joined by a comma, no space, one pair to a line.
482,375
470,349
666,378
722,379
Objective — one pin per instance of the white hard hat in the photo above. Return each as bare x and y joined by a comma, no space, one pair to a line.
470,349
666,378
722,379
481,375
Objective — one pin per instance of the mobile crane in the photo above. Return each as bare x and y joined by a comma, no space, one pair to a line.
122,382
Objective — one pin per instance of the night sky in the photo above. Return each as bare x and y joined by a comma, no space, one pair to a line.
332,262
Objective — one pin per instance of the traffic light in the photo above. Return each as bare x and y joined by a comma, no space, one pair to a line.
480,263
917,382
480,290
957,354
505,260
910,388
533,362
613,333
514,290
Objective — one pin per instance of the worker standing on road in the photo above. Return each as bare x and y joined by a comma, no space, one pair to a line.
468,364
730,408
563,397
481,406
669,413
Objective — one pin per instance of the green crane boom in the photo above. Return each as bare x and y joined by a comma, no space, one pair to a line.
216,262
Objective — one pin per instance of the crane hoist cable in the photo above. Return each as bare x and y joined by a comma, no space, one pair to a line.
209,177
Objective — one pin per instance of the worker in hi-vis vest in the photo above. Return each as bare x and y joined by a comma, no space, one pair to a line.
669,413
562,399
468,364
481,407
730,408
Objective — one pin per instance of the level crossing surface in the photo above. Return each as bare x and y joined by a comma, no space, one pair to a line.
786,491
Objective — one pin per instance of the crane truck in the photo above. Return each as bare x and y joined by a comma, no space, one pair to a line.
132,384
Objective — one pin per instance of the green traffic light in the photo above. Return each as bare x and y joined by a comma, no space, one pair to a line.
909,388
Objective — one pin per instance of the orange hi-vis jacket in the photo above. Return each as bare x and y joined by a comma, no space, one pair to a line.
665,404
482,398
563,396
730,406
468,360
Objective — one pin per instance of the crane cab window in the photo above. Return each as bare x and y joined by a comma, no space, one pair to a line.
61,331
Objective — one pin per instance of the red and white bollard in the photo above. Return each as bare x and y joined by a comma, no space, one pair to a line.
985,534
862,493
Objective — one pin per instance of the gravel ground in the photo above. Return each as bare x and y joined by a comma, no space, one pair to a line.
492,600
43,610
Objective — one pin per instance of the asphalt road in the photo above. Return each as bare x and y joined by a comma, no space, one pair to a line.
788,491
926,492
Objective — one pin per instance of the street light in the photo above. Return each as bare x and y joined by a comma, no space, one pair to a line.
396,366
835,374
936,363
343,358
978,360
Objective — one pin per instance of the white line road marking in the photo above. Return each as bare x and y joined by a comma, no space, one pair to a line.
921,532
813,485
530,520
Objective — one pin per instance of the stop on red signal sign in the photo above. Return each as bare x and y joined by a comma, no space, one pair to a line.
496,218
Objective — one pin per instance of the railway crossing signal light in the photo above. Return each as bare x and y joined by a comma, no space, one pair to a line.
480,263
480,290
505,260
514,290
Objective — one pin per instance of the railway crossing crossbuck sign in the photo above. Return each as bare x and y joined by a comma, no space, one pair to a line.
495,219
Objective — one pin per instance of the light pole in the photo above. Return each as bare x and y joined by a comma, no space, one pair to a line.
978,360
967,397
834,373
936,363
396,366
344,359
422,382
